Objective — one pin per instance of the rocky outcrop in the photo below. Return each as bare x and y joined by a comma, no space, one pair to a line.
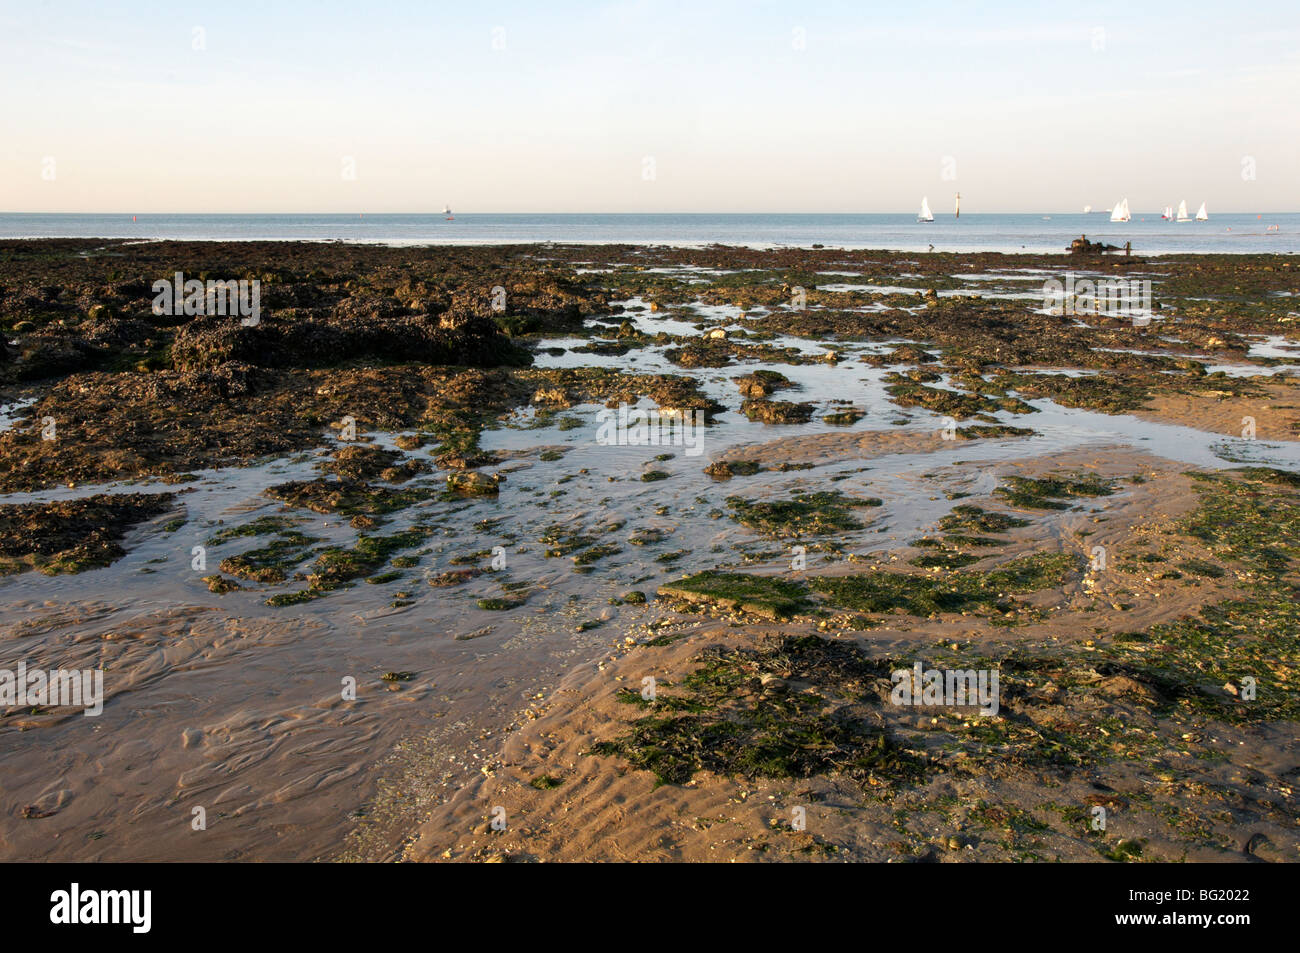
468,341
777,411
1081,246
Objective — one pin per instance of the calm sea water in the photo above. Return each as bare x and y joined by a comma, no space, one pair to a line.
1224,233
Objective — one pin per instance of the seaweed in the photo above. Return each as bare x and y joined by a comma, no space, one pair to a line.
757,595
812,514
735,718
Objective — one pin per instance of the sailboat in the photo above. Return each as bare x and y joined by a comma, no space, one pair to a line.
1182,212
1120,212
1168,212
446,210
1087,209
1201,214
925,215
957,211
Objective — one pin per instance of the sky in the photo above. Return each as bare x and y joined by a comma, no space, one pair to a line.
644,106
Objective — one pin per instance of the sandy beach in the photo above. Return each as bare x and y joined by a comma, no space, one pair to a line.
367,580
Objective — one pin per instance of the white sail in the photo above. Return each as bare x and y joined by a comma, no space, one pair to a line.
1169,211
1087,209
957,210
1120,212
925,215
1182,212
1201,214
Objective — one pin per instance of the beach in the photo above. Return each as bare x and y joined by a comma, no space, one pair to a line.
535,552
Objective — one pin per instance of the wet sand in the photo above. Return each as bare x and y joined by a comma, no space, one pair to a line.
993,810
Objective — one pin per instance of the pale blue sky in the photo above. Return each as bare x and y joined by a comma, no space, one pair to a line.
1039,109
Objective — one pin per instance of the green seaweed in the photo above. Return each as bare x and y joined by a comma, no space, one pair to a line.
732,721
1047,493
812,514
757,595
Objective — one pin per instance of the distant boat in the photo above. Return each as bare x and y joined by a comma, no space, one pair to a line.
957,210
1201,214
446,210
925,215
1182,212
1120,212
1087,209
1168,212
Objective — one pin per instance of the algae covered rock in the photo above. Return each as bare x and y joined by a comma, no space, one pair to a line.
777,411
474,483
762,596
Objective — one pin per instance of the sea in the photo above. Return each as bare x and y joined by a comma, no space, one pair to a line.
1226,233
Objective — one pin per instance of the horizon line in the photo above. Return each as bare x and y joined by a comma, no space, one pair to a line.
942,216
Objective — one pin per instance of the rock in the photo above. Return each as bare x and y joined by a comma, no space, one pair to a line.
777,411
762,383
554,396
454,577
359,462
1260,848
1081,246
71,536
911,354
220,584
474,483
468,340
1121,686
